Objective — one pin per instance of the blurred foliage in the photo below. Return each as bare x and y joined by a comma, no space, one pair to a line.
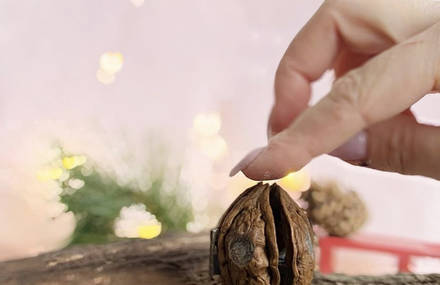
98,202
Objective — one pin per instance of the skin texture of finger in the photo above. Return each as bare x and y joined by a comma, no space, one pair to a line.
305,60
354,150
346,32
383,87
402,145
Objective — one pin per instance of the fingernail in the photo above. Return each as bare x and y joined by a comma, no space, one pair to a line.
248,159
353,150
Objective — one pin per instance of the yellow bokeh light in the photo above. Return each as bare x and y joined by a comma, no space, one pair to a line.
208,124
137,3
111,62
214,147
296,181
239,183
70,162
104,77
149,231
47,174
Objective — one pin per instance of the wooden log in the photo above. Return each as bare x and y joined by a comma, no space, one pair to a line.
174,259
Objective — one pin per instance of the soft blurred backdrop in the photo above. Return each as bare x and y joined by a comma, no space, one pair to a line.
114,113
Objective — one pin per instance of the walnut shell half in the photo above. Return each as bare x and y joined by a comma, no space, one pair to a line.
264,238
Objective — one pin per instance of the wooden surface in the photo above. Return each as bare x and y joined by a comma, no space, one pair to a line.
181,259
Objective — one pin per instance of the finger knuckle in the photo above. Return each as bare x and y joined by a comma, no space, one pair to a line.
346,96
334,3
435,28
434,39
393,148
335,6
332,7
398,151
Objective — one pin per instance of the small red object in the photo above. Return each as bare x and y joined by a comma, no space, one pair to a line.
402,248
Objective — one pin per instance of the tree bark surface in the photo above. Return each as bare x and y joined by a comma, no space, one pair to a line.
174,259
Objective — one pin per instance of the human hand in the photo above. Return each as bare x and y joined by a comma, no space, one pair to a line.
385,55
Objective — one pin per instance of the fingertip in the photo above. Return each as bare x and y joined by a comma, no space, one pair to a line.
276,161
245,161
261,174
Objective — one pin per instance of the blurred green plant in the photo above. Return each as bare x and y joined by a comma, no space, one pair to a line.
96,197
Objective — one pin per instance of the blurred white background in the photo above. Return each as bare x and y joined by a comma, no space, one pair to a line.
179,59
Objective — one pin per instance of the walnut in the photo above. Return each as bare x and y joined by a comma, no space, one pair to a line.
263,238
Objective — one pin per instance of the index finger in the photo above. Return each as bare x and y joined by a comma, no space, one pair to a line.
383,87
310,54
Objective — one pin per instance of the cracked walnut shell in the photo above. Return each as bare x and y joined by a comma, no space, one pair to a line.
263,238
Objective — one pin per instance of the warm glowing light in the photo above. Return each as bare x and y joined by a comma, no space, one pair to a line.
214,147
70,162
49,174
208,124
135,221
111,62
104,77
149,231
137,3
238,183
296,181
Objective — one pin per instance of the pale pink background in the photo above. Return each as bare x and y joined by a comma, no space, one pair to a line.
181,58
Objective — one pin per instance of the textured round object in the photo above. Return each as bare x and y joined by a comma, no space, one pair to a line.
265,238
339,212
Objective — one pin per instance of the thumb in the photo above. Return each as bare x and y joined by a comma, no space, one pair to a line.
403,145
